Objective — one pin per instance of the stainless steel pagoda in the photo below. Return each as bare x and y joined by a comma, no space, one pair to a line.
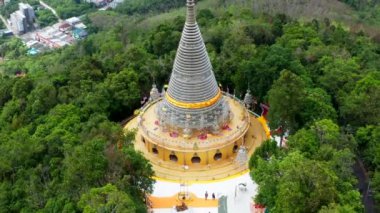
193,101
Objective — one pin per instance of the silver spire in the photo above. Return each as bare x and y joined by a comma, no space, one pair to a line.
193,90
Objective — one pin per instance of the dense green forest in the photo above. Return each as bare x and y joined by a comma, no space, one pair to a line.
368,10
45,18
147,6
63,150
2,26
70,8
361,4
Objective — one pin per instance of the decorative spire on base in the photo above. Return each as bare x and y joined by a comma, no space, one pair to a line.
154,93
248,99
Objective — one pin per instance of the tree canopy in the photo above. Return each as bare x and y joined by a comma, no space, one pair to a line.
313,174
60,111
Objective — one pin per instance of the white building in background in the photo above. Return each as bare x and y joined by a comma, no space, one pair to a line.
23,19
18,22
73,21
98,3
115,3
28,11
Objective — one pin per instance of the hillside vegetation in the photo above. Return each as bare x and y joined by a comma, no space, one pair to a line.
364,18
132,7
358,14
62,148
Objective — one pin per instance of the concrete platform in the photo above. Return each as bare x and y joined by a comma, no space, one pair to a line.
231,196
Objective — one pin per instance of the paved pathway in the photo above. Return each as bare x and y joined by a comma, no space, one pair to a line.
233,198
52,10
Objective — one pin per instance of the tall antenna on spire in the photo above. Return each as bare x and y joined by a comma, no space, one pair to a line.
190,15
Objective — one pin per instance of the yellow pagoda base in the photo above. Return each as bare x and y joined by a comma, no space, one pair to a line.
207,158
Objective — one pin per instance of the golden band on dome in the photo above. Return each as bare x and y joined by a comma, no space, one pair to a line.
196,105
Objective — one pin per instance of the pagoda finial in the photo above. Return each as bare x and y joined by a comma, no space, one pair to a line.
190,16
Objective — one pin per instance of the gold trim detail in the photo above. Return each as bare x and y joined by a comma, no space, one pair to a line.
197,105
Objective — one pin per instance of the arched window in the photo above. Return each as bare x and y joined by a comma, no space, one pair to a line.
155,150
235,149
173,157
195,159
218,155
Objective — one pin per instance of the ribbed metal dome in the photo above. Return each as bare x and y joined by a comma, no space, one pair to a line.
192,78
193,99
